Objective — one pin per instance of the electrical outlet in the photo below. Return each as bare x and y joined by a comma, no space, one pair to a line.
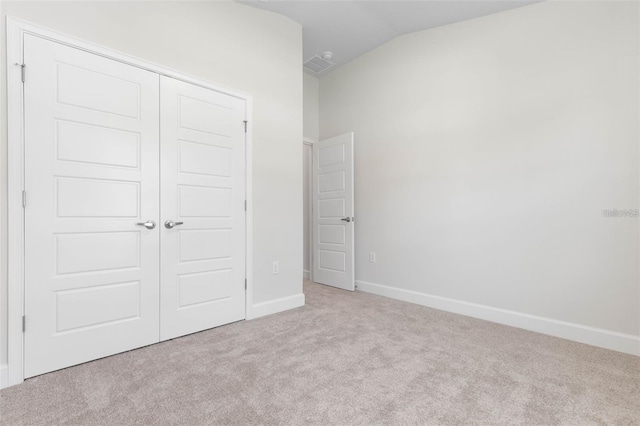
372,257
276,267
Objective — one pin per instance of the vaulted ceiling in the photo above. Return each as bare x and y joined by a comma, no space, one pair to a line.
350,28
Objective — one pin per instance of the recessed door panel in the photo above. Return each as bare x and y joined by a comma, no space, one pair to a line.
98,306
98,91
205,159
96,145
204,287
209,116
205,201
203,187
82,197
332,234
332,260
331,155
91,174
332,208
203,244
331,181
96,251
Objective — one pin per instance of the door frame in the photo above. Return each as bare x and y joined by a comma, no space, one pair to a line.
308,142
16,29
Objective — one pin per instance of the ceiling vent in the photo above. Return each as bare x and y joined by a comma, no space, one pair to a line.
317,65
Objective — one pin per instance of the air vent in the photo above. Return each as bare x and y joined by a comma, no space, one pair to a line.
317,65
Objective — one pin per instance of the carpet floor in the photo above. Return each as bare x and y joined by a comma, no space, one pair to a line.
344,358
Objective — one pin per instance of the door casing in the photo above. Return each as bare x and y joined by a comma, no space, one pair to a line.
307,143
16,29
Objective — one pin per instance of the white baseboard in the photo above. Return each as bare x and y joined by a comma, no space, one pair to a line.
274,306
305,274
4,376
607,339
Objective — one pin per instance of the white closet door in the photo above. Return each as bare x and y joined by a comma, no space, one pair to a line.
203,193
333,255
91,174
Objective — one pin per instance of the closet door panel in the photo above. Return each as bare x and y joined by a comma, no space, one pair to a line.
203,193
91,175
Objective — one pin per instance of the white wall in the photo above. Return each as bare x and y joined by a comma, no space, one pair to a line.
485,153
227,43
311,96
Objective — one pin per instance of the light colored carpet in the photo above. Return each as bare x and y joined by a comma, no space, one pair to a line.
345,358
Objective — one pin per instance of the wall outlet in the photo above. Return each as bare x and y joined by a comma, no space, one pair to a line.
276,267
372,257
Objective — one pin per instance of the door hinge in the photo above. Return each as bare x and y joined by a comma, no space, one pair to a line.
24,323
24,199
245,125
245,283
245,205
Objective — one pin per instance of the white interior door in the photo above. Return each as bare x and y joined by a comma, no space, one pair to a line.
333,216
203,195
91,174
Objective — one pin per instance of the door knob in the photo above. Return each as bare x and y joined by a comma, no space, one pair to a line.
346,219
148,224
171,224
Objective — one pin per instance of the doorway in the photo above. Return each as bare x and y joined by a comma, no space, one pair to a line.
330,226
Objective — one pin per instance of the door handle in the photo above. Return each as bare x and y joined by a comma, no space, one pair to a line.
346,219
148,224
171,224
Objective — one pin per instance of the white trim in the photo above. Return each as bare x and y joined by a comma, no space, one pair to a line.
308,274
15,216
639,195
16,29
4,379
277,305
607,339
249,214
